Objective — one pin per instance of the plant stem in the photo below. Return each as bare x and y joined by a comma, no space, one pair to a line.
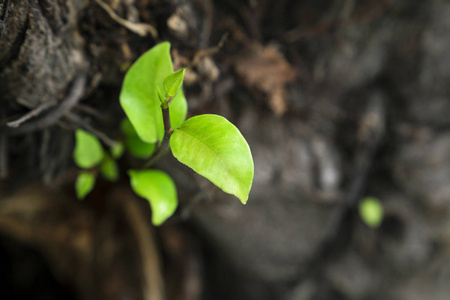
166,120
164,146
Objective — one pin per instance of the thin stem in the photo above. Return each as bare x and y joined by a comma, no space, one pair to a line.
166,119
75,94
3,155
3,151
164,146
31,114
83,124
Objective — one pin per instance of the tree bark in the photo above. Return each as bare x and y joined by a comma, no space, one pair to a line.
339,100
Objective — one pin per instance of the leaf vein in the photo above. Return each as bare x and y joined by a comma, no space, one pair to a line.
215,152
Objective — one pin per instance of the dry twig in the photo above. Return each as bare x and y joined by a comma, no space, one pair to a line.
31,114
75,94
141,29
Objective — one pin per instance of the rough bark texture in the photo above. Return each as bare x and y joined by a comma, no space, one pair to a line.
338,99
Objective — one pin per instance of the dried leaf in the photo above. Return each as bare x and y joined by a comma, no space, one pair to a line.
267,70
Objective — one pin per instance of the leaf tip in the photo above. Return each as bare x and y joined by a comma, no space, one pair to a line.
84,184
156,221
243,198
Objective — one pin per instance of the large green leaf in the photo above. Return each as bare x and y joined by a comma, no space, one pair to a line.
139,96
134,144
88,151
84,184
215,149
159,189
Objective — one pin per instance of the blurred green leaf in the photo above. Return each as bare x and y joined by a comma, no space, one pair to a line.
88,151
371,211
159,189
84,184
117,150
134,144
109,169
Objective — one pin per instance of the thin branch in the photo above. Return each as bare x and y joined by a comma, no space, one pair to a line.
31,114
82,123
3,155
208,51
75,94
141,29
145,244
90,111
3,150
45,144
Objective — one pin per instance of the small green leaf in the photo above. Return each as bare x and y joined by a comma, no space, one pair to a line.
215,149
159,189
161,96
173,82
371,211
178,110
117,150
109,169
84,184
88,150
134,144
139,96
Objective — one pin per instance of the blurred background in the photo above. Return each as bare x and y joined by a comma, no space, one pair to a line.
339,100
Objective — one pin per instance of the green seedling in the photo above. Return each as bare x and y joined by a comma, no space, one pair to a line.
90,156
153,100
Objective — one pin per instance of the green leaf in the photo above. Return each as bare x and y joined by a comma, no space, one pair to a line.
88,150
84,184
139,96
161,96
371,211
117,150
178,110
109,169
173,82
159,189
215,149
134,144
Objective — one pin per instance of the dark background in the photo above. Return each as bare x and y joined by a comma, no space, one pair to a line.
339,100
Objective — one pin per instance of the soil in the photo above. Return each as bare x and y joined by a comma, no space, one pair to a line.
339,100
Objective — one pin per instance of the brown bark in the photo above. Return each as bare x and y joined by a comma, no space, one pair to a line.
338,99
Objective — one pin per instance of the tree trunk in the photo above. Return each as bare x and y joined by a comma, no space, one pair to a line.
339,100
